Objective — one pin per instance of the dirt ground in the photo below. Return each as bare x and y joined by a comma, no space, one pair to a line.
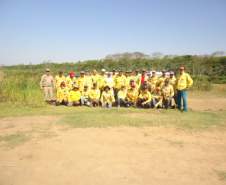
58,155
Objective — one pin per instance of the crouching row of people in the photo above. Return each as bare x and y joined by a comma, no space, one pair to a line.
143,97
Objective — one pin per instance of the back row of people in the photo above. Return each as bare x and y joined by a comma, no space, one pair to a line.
118,88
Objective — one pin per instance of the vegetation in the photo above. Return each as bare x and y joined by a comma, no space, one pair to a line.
20,83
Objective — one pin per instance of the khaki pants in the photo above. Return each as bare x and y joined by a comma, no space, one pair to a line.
48,93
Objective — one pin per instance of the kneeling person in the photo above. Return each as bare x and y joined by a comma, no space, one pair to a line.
121,97
74,97
85,96
145,98
168,94
107,97
94,95
62,94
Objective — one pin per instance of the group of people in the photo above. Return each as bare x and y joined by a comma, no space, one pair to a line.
118,88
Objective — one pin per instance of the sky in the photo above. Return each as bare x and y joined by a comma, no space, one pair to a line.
34,31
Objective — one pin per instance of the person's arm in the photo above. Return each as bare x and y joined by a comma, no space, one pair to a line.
189,81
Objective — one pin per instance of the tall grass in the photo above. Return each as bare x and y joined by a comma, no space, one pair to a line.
21,87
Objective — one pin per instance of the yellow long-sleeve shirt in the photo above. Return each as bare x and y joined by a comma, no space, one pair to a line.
70,82
81,83
74,96
107,97
59,80
132,95
119,81
184,81
94,94
146,95
167,91
62,94
122,94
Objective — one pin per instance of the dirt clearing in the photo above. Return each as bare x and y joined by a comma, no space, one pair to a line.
122,156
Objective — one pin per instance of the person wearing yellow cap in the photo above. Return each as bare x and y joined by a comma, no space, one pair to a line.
47,85
62,94
107,98
183,83
74,96
94,95
144,98
168,94
121,97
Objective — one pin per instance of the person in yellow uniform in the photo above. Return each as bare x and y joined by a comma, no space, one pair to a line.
70,80
85,96
95,77
157,98
109,81
120,81
183,83
62,94
88,80
74,97
101,80
144,98
107,98
132,95
162,79
121,101
152,81
59,78
128,78
94,95
81,81
168,94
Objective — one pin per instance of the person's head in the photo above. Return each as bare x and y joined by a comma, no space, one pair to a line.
143,71
94,85
123,87
82,73
62,85
167,81
87,73
132,83
153,73
107,88
85,87
163,73
94,72
47,71
113,71
72,74
171,74
136,72
75,88
145,88
103,71
60,73
120,72
182,69
108,74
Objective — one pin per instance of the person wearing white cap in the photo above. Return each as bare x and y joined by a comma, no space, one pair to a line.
47,85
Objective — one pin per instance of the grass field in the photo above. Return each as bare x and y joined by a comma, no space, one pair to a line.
79,145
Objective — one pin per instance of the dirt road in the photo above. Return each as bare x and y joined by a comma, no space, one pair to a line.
124,156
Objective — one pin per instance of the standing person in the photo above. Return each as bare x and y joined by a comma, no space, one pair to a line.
183,83
162,79
152,81
120,80
70,80
143,78
47,85
81,81
59,79
109,81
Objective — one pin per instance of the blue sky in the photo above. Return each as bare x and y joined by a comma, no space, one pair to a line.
32,31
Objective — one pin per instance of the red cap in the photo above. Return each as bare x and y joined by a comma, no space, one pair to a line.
72,74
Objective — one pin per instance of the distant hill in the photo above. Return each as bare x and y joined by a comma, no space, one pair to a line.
127,55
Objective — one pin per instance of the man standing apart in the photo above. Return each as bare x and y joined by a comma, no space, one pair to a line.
184,81
47,84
